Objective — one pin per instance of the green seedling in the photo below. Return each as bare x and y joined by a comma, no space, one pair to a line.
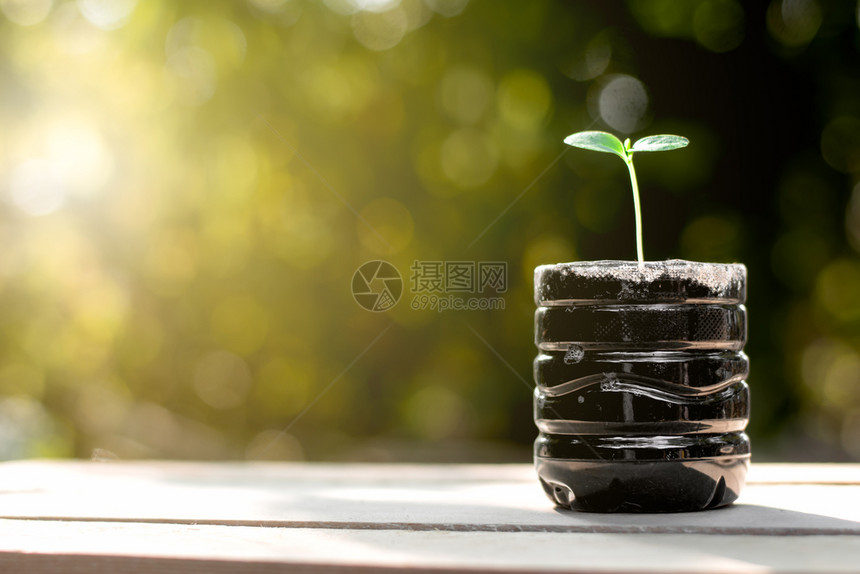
608,143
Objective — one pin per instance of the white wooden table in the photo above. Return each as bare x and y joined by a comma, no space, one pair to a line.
76,516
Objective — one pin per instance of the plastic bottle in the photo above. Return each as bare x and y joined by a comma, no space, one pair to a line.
641,397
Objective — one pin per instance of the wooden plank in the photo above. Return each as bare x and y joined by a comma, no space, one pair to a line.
389,497
111,547
179,517
782,473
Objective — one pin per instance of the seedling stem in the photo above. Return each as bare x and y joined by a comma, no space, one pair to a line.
608,143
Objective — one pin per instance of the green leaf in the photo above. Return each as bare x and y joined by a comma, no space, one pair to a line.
660,143
597,141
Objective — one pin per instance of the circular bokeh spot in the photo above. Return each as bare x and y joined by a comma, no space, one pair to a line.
623,103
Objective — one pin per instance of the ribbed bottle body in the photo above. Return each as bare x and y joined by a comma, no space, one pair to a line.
641,399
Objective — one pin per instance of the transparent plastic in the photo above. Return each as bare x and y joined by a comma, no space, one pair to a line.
641,399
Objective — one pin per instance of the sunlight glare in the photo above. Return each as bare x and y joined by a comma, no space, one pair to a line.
79,155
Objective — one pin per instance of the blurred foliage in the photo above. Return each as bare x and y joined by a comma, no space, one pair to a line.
187,189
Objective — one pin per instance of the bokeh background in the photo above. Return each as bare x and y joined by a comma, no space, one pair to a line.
186,189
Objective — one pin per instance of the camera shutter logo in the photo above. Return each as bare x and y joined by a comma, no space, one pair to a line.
377,286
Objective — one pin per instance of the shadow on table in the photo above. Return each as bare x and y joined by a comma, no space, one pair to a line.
749,519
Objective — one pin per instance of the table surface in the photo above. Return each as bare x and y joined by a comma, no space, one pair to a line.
282,517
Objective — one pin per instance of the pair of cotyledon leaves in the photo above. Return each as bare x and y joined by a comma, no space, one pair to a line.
608,143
